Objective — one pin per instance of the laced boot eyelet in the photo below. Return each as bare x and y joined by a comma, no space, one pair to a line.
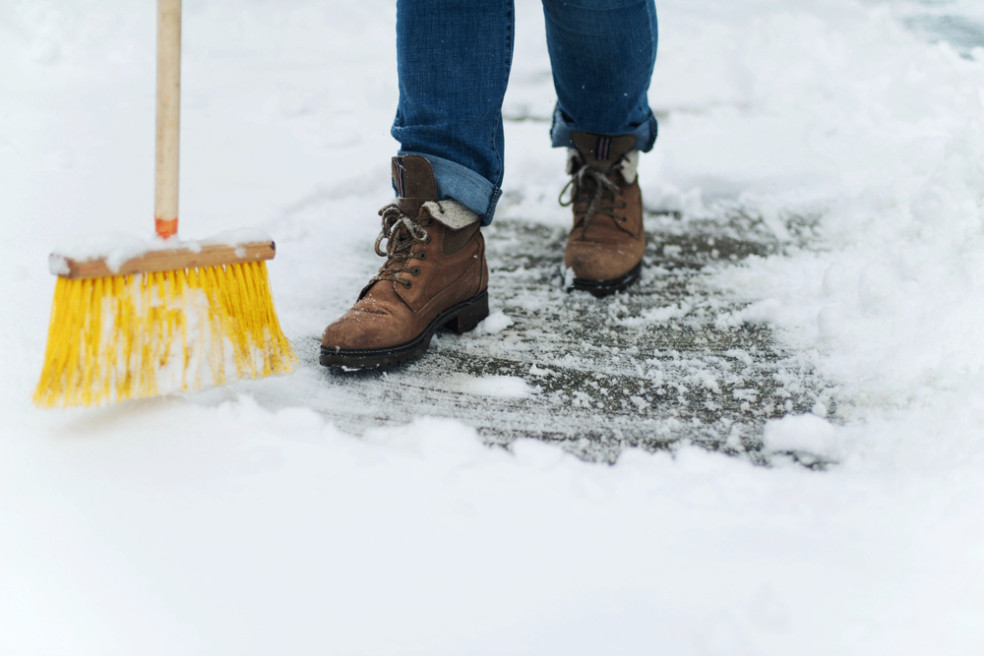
407,284
422,255
415,271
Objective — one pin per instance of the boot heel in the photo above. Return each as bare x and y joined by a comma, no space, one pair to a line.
471,315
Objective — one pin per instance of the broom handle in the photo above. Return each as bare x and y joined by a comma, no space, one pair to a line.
168,117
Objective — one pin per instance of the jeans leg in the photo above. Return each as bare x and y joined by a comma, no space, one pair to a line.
602,53
453,60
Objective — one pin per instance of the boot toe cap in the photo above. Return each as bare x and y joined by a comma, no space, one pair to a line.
360,331
592,261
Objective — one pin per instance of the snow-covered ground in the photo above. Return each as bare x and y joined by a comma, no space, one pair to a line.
240,521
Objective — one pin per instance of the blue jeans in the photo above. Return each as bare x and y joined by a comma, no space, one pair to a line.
453,60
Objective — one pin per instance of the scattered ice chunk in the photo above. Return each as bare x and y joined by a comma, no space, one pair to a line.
802,433
741,355
568,278
503,387
657,315
494,323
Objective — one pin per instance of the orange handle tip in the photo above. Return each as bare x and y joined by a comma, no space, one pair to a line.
166,227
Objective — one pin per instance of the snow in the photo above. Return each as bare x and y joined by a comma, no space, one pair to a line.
803,433
508,387
496,322
118,248
114,248
239,521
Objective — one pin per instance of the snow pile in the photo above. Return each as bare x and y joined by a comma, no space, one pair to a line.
894,300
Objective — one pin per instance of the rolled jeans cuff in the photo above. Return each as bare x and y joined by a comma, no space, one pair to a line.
459,183
562,131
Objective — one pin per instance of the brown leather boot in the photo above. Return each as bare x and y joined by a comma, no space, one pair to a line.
435,275
605,247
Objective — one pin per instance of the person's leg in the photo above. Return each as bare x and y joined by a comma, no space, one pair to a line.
602,53
453,59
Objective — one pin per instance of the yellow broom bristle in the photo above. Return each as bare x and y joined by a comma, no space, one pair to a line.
133,336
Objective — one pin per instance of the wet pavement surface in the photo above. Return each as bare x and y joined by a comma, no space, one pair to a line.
662,364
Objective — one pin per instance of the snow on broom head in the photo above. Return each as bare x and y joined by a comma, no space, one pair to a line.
174,319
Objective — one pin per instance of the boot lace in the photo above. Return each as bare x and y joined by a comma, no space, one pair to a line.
591,186
400,232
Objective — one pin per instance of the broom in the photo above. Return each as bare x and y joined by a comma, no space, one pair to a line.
175,316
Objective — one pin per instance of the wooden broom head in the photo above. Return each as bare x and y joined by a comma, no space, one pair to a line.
189,255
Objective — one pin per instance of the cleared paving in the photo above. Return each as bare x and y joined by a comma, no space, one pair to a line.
661,364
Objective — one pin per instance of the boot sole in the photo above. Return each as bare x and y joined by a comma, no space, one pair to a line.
460,318
601,288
